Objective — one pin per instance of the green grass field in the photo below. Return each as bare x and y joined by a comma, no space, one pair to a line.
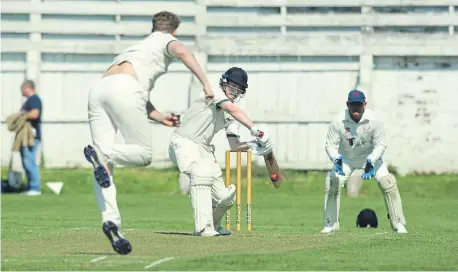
63,232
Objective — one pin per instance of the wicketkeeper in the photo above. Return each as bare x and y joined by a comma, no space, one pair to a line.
357,141
191,150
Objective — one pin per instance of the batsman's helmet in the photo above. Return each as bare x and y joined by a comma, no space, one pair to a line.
236,75
367,218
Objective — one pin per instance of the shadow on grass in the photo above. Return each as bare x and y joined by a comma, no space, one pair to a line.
174,233
94,253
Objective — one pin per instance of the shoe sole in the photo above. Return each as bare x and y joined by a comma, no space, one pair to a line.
121,245
202,234
216,235
329,232
102,176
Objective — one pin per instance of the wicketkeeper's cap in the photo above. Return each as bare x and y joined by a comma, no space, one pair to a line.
367,219
237,75
356,96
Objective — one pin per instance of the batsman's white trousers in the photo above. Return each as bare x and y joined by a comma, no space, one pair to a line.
184,153
118,103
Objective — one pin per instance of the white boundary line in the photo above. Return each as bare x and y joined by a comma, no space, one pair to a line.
158,262
98,259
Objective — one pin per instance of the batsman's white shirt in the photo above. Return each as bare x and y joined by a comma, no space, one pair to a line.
200,123
149,58
356,142
191,141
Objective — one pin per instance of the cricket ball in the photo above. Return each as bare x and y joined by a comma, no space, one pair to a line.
274,177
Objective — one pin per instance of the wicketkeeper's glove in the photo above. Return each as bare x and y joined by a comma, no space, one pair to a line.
338,166
369,171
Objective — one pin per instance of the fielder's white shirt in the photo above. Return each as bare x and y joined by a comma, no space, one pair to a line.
149,58
200,122
356,142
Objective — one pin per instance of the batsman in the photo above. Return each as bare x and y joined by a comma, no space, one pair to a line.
357,141
191,150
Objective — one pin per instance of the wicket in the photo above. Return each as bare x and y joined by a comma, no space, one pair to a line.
239,188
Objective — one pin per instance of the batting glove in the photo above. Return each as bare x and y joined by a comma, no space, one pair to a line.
256,132
264,140
262,136
259,150
369,171
338,165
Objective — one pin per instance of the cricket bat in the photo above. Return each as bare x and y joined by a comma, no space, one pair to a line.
274,171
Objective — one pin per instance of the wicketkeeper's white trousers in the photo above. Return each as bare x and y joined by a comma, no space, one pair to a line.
118,104
334,183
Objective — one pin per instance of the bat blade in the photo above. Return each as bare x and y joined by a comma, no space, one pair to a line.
274,170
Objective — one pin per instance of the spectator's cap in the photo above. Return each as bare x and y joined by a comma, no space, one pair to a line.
28,83
366,219
356,96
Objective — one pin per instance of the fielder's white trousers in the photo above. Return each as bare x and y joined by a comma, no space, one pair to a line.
118,104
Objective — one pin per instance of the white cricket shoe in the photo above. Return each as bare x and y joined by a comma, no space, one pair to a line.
207,232
31,193
400,228
329,229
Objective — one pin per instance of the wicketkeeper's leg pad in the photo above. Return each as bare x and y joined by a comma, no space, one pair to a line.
393,203
332,190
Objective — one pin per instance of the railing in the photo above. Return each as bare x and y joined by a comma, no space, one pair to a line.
282,26
219,28
76,39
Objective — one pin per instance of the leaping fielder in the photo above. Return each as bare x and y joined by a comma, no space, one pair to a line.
191,150
357,141
119,102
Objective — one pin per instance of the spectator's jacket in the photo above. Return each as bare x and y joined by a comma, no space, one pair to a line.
24,133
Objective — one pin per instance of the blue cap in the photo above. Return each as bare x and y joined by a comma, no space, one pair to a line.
356,96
